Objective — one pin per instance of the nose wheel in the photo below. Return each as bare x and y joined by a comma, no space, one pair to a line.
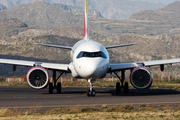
91,92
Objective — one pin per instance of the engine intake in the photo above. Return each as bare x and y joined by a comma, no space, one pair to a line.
141,78
38,78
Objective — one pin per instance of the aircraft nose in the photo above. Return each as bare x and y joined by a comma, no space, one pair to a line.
88,69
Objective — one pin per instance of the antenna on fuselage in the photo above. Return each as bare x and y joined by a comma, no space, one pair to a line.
86,31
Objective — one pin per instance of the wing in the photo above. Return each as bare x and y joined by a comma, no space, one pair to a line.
159,62
125,66
56,46
123,45
122,66
61,67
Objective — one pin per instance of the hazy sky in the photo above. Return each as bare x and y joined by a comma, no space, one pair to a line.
163,1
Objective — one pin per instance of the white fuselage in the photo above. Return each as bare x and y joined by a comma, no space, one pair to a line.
89,60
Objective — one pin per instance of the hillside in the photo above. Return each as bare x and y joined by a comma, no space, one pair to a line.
11,26
165,20
147,22
39,14
2,7
110,9
78,9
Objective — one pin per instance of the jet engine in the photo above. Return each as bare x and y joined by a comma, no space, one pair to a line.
38,78
141,78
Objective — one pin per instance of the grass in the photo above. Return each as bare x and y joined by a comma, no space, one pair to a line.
14,83
173,84
142,105
117,112
156,84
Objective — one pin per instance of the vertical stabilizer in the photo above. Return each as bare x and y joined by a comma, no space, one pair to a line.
86,32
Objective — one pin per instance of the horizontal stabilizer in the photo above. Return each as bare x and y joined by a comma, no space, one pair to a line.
123,45
56,46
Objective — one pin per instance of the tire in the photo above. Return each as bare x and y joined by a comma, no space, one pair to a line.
58,87
126,87
118,87
88,93
93,93
51,88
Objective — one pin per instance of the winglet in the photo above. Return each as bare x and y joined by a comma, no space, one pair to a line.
86,32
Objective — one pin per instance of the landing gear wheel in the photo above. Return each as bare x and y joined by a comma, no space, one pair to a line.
50,88
93,93
59,87
88,93
118,88
126,87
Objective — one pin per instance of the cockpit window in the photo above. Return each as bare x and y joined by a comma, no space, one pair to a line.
91,54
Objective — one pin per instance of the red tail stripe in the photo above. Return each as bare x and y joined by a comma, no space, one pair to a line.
85,29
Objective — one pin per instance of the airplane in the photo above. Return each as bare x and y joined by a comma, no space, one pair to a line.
89,60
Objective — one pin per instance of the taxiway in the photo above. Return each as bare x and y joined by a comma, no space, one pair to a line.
24,98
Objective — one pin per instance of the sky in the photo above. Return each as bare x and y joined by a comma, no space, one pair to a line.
162,1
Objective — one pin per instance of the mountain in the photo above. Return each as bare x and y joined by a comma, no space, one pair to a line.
78,10
11,3
2,7
164,20
118,9
11,26
110,9
40,14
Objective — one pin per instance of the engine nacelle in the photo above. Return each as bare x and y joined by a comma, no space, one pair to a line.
141,78
38,78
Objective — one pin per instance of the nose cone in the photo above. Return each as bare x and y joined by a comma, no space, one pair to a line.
91,69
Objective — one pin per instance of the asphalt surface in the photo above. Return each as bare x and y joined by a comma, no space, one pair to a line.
25,98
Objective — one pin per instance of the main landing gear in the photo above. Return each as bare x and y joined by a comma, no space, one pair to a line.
123,85
91,92
56,86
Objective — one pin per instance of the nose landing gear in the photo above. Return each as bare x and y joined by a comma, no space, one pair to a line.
91,92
